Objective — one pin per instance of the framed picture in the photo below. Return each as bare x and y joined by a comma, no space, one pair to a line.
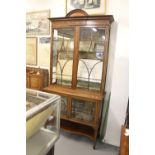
31,51
44,55
44,40
37,23
44,51
92,7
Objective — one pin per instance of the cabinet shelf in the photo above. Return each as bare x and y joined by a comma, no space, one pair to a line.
91,124
64,117
77,128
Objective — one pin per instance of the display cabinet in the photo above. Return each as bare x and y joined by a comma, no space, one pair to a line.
78,64
41,108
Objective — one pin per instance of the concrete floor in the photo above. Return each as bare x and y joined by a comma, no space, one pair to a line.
70,144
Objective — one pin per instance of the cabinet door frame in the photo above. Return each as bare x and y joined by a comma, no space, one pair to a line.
76,26
51,51
105,60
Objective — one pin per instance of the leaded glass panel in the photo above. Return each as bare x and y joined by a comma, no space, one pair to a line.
63,47
91,53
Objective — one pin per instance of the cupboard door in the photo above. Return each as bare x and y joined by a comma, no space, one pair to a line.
90,60
63,47
83,110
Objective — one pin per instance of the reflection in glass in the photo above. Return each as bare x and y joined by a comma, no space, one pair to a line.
83,110
63,47
91,53
63,105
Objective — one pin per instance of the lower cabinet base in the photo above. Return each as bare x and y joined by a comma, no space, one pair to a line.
79,129
81,110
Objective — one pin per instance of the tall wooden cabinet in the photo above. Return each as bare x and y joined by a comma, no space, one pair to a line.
79,56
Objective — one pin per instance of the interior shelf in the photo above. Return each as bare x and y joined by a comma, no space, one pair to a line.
83,122
76,128
91,124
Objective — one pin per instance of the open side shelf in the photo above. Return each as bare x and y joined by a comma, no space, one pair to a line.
76,128
79,121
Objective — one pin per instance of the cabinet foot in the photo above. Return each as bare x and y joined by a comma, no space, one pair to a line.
94,145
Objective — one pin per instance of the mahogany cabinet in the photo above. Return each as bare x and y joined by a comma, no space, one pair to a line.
78,64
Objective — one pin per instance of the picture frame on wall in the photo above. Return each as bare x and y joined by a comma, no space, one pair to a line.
45,40
44,51
31,51
37,23
92,7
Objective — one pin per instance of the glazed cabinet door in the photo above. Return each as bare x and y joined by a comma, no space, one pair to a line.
83,111
90,58
62,56
64,107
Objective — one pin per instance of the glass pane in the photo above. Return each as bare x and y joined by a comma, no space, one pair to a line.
53,120
83,110
91,52
42,111
63,105
63,47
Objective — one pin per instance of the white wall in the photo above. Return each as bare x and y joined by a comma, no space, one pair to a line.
118,70
57,9
117,74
